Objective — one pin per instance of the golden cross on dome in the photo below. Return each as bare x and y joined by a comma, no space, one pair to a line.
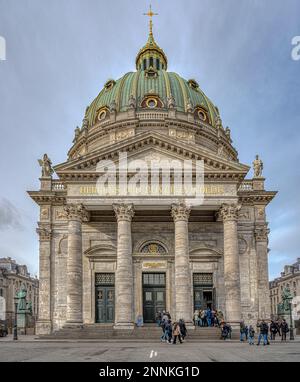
150,14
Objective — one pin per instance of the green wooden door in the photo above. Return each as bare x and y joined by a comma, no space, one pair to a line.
105,304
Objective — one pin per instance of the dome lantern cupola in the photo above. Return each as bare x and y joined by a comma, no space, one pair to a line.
151,56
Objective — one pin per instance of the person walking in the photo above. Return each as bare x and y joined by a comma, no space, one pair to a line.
158,318
164,336
168,329
176,333
284,329
251,333
183,329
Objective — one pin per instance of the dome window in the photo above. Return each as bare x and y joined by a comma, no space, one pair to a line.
109,84
201,113
157,64
151,62
102,114
151,73
193,84
144,64
151,103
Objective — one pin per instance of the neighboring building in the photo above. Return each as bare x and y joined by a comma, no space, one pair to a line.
289,278
12,278
108,259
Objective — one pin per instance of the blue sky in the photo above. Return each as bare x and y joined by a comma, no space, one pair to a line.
61,52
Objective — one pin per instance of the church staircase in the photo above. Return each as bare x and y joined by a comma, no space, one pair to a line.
147,333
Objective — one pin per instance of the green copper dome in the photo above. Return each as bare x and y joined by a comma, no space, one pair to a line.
164,85
152,79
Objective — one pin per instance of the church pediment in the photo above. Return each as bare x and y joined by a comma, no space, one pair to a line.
152,146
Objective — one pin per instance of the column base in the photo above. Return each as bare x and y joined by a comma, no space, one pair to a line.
234,324
190,325
43,327
73,324
124,326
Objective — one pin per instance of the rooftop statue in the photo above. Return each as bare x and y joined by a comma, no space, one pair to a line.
77,133
258,167
189,106
132,102
46,165
171,102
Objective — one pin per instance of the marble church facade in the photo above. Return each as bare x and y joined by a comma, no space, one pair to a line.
108,260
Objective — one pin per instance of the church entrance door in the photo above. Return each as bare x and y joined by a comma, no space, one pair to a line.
105,297
154,295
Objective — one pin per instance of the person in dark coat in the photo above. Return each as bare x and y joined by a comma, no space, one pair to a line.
273,330
263,332
284,329
183,329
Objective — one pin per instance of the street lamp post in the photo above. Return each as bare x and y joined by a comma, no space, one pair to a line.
291,323
15,337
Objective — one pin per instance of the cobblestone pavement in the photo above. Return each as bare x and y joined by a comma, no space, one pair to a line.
29,350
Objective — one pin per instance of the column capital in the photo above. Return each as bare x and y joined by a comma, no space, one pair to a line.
76,212
229,212
180,212
44,231
261,232
123,211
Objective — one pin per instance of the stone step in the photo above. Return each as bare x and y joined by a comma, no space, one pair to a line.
147,333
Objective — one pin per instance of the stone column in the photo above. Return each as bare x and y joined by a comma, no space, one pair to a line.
183,288
261,238
76,215
44,323
229,213
124,271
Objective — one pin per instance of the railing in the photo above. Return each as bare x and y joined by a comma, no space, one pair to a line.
57,186
151,115
247,185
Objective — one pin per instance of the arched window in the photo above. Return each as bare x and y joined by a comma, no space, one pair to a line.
144,64
152,248
157,64
151,62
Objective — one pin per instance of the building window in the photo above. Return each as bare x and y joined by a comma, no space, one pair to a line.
153,248
144,64
104,278
203,279
151,103
154,279
157,64
151,62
